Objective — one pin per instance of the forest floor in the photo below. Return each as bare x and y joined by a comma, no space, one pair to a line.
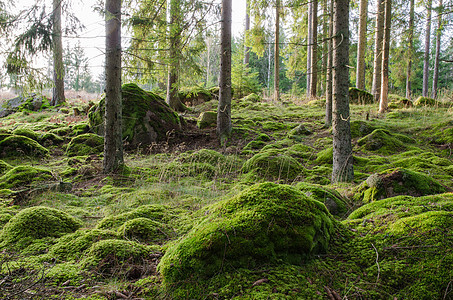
256,219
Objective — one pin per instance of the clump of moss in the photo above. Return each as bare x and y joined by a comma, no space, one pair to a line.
85,144
49,139
361,128
298,133
260,225
252,98
16,145
325,156
394,182
27,132
195,95
273,165
426,101
4,167
79,129
22,175
145,230
384,142
334,202
35,223
357,96
207,119
396,101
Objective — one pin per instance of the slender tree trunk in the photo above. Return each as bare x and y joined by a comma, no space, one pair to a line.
383,103
360,74
314,50
427,44
277,52
329,69
325,34
113,145
208,63
342,168
410,51
377,65
436,60
224,109
309,47
247,28
58,67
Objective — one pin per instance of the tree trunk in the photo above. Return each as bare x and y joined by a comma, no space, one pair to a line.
329,69
342,168
277,52
247,28
360,74
436,60
427,44
224,109
410,51
383,102
377,65
58,67
314,49
309,47
113,145
325,34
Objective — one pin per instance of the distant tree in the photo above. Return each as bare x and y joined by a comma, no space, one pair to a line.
313,68
360,73
377,65
247,28
277,52
383,102
410,50
427,45
329,67
113,144
77,71
58,67
437,55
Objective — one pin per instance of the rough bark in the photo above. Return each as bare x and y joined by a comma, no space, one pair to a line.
309,47
247,28
360,73
224,109
410,51
383,101
329,69
113,145
58,96
377,65
342,168
437,55
427,44
277,52
314,49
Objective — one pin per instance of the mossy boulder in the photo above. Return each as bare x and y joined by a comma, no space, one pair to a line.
254,98
334,202
22,176
395,182
146,117
396,102
145,230
31,102
35,223
85,144
357,96
17,145
426,101
207,119
260,225
50,139
384,142
361,128
273,165
27,132
325,156
298,133
196,95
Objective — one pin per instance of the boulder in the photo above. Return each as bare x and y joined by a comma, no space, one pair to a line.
207,119
357,96
32,102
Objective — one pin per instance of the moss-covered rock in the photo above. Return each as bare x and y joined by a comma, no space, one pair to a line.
196,95
254,98
207,119
334,202
145,230
273,165
325,156
36,223
27,132
50,139
426,101
382,141
258,226
357,96
146,117
16,145
298,133
397,181
396,101
85,144
22,176
361,128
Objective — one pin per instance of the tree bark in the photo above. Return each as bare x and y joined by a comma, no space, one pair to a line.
277,52
309,47
224,109
58,96
410,51
436,60
247,28
113,145
342,168
383,102
329,69
360,73
314,49
427,44
377,65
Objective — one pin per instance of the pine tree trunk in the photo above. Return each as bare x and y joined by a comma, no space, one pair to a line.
113,145
314,49
383,102
224,109
325,34
277,52
427,44
329,69
436,60
360,74
309,47
247,28
342,168
58,96
410,51
377,65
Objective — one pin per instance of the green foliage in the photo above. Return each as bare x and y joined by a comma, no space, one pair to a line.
16,145
85,144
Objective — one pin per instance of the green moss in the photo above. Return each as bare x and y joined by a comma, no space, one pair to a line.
50,139
85,144
397,102
361,128
252,98
254,145
16,145
79,129
357,96
258,226
207,119
27,132
4,167
334,202
273,165
145,230
298,133
426,101
21,176
384,142
204,156
394,182
36,223
325,156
